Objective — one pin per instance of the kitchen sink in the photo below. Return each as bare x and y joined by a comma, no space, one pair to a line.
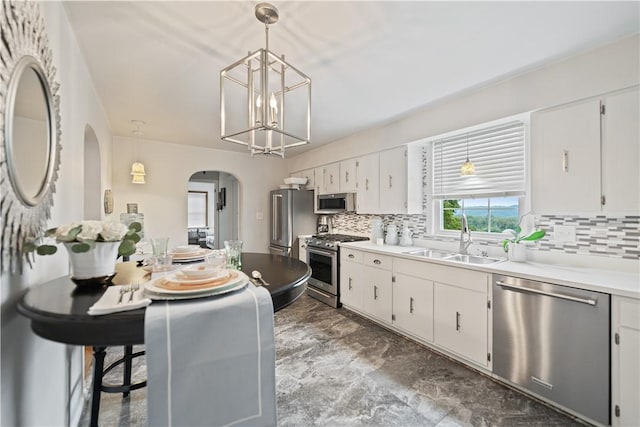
448,256
473,259
429,253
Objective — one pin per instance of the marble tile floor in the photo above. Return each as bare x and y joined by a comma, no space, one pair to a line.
335,368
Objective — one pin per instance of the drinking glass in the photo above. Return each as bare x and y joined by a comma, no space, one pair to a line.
217,258
233,250
160,245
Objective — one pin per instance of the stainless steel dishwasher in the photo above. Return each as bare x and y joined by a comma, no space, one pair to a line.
554,341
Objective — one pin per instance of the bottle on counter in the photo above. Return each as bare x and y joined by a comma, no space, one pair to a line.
392,235
406,235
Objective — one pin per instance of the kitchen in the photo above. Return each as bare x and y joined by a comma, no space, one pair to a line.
596,69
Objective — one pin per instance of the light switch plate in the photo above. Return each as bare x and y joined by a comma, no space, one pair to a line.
259,216
564,233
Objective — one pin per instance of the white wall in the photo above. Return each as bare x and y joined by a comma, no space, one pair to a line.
36,373
228,216
601,70
163,199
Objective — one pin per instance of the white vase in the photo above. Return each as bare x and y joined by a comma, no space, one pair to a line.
517,252
95,263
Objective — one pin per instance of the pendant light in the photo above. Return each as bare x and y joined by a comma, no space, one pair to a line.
137,169
256,93
467,168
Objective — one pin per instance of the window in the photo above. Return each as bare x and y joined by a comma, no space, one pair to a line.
198,209
493,197
487,215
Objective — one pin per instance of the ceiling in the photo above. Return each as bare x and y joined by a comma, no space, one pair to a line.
369,62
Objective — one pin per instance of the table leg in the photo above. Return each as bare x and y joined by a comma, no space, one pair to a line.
128,361
98,364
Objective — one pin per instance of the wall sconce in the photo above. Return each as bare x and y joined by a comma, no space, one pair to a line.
137,169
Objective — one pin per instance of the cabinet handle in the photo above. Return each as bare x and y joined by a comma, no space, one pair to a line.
411,305
565,160
346,176
390,181
351,256
376,261
349,283
457,321
366,184
331,178
375,292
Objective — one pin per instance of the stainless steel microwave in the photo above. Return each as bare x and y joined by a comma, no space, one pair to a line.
335,203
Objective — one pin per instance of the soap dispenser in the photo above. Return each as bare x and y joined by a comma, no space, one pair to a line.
405,237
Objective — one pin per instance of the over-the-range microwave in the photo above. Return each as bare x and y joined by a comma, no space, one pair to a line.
335,203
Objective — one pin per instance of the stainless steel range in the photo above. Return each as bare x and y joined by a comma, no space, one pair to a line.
324,259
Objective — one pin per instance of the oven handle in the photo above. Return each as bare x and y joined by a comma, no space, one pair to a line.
314,250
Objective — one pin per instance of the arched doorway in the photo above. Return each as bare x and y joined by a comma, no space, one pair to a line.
92,176
213,209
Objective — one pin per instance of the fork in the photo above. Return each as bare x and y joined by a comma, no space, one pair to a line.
133,289
123,290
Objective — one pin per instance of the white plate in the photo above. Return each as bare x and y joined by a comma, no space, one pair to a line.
155,290
205,293
188,249
191,257
183,279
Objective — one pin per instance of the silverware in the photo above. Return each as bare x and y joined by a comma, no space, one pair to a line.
123,290
133,290
258,276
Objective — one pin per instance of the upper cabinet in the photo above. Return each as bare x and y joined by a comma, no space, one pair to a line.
390,182
584,156
348,176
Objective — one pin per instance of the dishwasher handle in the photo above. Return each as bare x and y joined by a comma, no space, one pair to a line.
589,301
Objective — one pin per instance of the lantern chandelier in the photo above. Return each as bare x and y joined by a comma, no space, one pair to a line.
265,102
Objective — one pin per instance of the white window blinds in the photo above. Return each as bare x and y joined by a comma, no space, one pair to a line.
498,155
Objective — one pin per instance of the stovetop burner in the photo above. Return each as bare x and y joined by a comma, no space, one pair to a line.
331,241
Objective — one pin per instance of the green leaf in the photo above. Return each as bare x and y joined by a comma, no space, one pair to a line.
50,232
80,247
518,230
29,247
505,244
46,250
133,237
127,247
536,235
135,226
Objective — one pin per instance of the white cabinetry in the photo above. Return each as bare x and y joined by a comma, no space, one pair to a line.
413,305
331,178
584,156
625,362
368,175
377,289
351,280
348,171
319,180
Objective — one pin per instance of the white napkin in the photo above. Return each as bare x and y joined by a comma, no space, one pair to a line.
108,303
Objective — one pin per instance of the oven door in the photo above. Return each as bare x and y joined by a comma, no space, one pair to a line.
324,269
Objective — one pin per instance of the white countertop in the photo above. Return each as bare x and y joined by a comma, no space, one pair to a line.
601,280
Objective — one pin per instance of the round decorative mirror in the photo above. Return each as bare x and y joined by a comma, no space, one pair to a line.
30,141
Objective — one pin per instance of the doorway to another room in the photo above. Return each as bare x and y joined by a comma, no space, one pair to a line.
212,209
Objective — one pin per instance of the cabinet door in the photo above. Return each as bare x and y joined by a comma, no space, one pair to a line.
348,176
413,305
319,173
625,372
377,293
621,152
368,184
393,181
309,174
460,322
351,290
565,167
332,178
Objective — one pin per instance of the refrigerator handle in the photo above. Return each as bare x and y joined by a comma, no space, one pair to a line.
275,224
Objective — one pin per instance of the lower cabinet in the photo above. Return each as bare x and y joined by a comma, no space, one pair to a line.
377,293
413,305
625,365
460,321
351,289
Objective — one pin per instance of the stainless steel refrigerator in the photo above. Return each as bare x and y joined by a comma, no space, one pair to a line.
291,216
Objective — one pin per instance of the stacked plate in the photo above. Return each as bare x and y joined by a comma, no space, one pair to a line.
189,253
181,286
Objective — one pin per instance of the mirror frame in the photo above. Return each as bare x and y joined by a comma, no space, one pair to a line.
24,46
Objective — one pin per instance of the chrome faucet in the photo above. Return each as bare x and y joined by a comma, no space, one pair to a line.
464,231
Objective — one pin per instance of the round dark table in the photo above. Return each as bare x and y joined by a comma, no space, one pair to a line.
58,312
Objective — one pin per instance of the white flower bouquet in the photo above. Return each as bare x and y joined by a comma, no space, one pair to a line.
85,234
